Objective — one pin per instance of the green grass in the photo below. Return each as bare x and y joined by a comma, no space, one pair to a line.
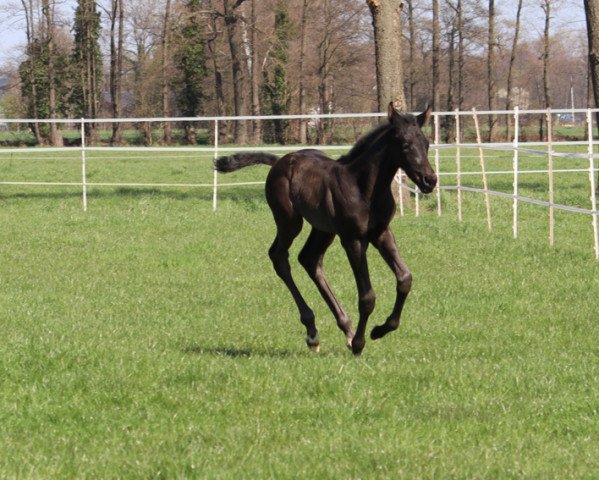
150,338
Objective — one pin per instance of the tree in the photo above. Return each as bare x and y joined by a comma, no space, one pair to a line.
276,91
412,53
303,130
117,22
510,76
166,27
491,43
255,71
44,82
233,17
546,6
87,64
591,8
386,20
191,64
48,14
28,69
436,49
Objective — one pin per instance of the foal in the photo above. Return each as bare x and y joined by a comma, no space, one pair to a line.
351,198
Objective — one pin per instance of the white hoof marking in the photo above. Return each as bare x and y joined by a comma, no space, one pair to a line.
313,343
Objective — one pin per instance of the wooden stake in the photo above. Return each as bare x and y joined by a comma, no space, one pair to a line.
458,162
483,170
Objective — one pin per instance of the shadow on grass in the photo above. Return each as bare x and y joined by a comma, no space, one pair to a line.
247,352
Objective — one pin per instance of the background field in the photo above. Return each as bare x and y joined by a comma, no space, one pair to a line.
149,338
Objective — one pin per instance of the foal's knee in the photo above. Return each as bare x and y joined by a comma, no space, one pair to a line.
366,303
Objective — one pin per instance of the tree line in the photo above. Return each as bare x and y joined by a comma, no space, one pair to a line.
187,58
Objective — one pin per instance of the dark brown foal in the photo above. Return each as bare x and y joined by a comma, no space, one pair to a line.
350,198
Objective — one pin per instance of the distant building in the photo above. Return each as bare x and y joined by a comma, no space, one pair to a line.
520,97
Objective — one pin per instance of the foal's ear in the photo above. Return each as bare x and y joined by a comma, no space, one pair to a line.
424,116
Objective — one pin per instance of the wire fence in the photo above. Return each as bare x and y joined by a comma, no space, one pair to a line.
462,145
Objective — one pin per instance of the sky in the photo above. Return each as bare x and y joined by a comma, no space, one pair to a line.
569,14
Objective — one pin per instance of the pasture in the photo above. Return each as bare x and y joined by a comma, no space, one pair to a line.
150,338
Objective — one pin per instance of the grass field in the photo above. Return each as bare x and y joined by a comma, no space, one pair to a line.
149,338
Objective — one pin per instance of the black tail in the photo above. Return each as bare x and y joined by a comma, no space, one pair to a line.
241,160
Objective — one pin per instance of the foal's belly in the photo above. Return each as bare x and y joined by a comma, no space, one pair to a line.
317,212
319,220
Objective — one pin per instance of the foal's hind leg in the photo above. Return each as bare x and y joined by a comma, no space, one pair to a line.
311,259
387,247
287,229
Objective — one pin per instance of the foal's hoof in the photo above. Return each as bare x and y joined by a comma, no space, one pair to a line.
313,343
357,346
379,332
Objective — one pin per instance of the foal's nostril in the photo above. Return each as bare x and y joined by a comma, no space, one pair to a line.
430,181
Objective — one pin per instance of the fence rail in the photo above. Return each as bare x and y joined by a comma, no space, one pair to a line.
515,146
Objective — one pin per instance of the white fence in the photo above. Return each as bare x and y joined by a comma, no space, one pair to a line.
517,146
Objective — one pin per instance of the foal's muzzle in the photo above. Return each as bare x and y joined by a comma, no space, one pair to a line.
428,183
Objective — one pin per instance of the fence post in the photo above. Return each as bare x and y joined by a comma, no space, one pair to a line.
516,168
458,161
483,169
83,175
437,164
550,174
215,178
592,181
416,201
399,179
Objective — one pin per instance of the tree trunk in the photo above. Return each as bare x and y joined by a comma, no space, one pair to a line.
508,101
223,127
48,12
116,66
303,125
491,69
325,84
460,87
448,121
412,62
547,53
90,73
256,76
436,49
167,134
591,8
30,25
239,66
386,20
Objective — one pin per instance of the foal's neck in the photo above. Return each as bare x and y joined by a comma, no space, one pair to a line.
373,167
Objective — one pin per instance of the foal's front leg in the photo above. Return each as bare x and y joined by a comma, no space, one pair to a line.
356,253
387,247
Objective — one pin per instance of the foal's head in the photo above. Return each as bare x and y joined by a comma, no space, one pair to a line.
410,147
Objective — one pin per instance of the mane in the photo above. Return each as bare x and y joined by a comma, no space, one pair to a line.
364,142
